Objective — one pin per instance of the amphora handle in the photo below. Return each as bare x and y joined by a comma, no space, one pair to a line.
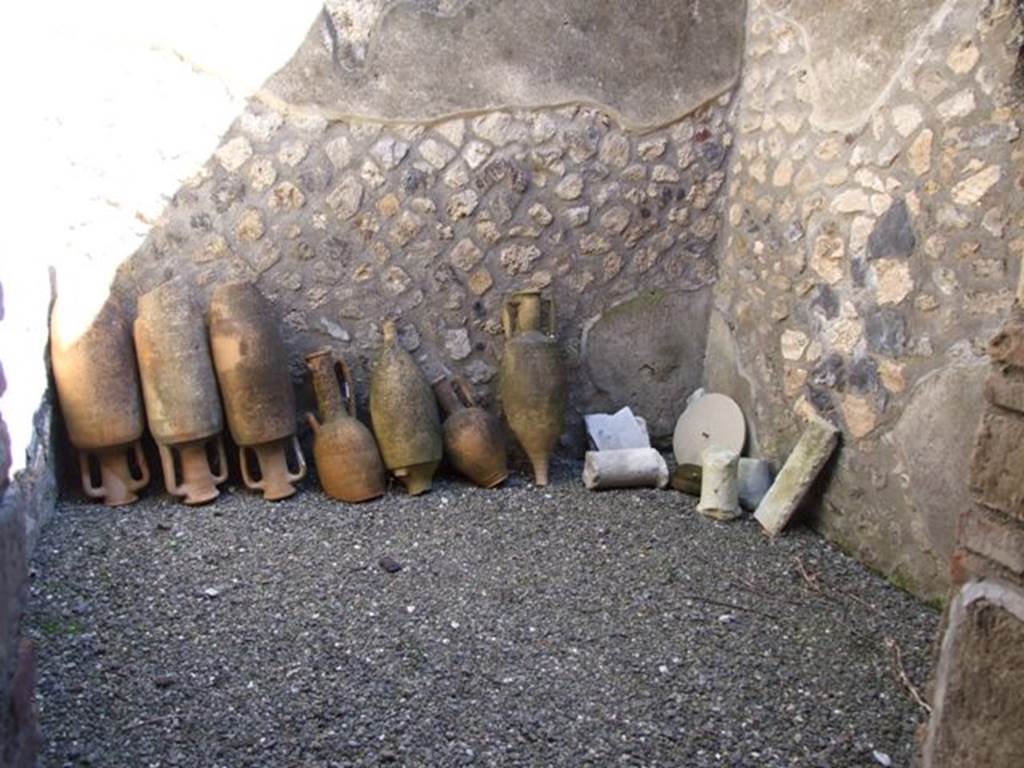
349,390
463,389
274,453
453,394
332,384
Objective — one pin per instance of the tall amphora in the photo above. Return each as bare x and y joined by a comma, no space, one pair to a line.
180,390
473,438
252,369
347,459
405,417
98,390
532,380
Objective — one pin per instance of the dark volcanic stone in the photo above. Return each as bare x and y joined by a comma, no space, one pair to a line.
858,270
825,301
893,234
830,372
886,330
863,375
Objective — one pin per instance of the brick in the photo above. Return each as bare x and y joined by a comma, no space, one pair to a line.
966,565
997,464
995,537
977,707
1005,387
1008,345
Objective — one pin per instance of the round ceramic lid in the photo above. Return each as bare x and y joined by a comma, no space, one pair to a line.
711,421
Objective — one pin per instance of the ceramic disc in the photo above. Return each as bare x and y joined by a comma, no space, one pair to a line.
712,421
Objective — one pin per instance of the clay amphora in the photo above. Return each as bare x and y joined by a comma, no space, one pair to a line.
180,391
473,439
532,382
346,454
252,369
98,389
405,417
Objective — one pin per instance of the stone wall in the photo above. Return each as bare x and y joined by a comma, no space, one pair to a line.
874,228
379,174
977,707
18,733
343,224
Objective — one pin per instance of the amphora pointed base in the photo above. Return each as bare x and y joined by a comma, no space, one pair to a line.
418,478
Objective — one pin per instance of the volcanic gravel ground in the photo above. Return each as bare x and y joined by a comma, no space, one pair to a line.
517,626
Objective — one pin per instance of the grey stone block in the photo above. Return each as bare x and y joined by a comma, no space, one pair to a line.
647,353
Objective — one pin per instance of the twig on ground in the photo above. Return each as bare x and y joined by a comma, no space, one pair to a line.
815,584
732,606
904,678
810,579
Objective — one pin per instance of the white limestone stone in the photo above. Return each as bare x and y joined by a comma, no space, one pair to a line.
798,474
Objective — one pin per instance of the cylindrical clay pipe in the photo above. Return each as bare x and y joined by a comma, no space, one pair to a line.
625,468
719,489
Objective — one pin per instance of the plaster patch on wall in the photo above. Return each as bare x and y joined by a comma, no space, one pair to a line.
857,51
421,60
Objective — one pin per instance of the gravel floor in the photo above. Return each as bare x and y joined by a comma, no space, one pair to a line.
524,627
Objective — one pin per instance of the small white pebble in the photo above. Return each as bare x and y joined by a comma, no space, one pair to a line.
410,609
881,758
663,669
726,618
455,625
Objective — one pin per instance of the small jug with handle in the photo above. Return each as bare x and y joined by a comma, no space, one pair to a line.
346,455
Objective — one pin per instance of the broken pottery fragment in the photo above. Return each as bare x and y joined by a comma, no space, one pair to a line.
755,477
797,476
719,492
473,439
625,468
711,421
615,431
687,479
